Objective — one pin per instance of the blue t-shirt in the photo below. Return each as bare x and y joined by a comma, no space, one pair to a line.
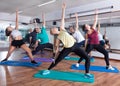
43,36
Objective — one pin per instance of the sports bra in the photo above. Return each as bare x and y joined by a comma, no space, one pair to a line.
16,33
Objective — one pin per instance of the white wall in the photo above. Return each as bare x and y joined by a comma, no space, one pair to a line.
51,38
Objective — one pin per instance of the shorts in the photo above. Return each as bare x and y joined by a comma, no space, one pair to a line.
17,43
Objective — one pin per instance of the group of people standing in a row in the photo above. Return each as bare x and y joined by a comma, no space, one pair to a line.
71,42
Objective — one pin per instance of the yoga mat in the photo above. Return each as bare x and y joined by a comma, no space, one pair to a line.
67,76
37,59
38,53
95,68
19,63
77,58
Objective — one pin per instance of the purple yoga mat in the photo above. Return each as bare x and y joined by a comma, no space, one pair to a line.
38,59
39,53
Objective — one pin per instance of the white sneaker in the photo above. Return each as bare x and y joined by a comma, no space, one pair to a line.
89,76
110,67
45,72
77,65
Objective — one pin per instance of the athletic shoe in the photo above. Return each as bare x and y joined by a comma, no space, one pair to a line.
34,62
77,64
67,57
88,75
110,67
45,72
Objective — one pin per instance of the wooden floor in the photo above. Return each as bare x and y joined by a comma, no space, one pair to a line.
23,76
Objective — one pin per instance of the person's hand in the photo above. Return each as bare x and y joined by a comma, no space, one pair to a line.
96,11
76,15
63,5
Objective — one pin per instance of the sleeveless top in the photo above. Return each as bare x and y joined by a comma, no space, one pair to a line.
93,37
16,33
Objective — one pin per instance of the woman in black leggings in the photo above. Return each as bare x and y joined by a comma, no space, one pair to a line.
92,35
69,46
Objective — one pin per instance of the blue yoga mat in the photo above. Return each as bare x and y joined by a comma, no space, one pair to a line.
20,63
67,76
77,58
95,68
37,59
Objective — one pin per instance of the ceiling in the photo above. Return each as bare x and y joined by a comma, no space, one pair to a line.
30,7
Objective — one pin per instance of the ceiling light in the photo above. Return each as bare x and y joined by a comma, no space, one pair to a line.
20,12
46,3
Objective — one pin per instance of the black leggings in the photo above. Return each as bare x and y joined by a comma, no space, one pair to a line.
100,49
41,47
80,52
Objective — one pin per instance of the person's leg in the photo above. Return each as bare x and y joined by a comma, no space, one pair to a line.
38,48
100,49
81,53
11,49
88,50
105,53
61,56
49,45
28,50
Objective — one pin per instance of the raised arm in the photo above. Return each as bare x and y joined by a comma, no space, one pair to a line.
43,18
98,29
95,20
77,26
105,32
62,27
16,25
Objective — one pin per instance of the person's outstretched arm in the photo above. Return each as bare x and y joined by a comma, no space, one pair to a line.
43,18
16,25
98,29
95,20
62,27
77,26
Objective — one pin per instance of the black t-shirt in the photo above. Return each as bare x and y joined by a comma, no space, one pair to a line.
33,35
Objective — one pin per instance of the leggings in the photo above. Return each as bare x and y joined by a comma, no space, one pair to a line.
100,49
80,52
41,47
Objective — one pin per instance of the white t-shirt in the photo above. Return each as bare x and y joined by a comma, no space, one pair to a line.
78,36
16,33
100,37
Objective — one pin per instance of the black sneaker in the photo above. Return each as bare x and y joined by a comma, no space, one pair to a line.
34,62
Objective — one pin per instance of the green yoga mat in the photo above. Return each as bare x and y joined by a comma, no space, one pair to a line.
67,76
77,58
